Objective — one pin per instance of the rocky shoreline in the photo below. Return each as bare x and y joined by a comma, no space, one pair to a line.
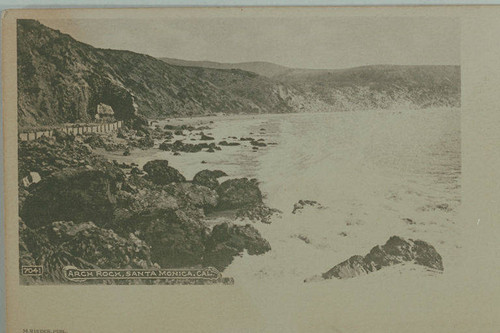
80,209
396,250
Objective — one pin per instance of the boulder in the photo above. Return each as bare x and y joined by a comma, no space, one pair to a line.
170,127
145,142
176,240
114,146
257,143
205,137
208,178
136,171
159,172
184,147
225,143
228,240
395,251
82,245
303,238
95,140
98,246
258,212
146,201
159,134
36,249
73,194
137,122
47,155
299,206
237,193
193,194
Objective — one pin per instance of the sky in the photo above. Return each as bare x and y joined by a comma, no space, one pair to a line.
307,42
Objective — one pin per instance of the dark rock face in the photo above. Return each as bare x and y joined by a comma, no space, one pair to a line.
102,140
395,251
227,241
257,212
96,216
258,143
193,194
187,147
74,194
135,210
145,142
49,155
175,240
208,178
299,206
225,143
102,247
205,137
67,83
36,249
426,255
237,193
83,245
159,134
183,127
160,173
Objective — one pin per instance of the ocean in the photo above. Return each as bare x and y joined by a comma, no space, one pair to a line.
376,173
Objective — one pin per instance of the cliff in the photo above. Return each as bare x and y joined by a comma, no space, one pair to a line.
61,80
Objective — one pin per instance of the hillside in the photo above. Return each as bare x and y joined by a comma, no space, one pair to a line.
62,80
382,86
366,87
259,67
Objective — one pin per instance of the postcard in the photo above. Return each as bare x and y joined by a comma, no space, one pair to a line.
279,169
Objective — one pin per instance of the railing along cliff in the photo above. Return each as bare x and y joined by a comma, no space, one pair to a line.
97,128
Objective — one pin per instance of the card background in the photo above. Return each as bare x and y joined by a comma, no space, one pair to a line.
470,304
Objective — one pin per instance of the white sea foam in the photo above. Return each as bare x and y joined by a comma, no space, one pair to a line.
378,173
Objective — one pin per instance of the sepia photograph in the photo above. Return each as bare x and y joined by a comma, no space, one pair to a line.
277,154
239,144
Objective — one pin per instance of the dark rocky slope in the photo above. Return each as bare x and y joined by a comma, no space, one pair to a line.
396,250
84,211
63,80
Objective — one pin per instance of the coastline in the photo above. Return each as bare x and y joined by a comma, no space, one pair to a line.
131,150
155,197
